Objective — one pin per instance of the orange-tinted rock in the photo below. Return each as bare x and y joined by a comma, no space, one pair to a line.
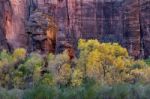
42,30
123,21
13,21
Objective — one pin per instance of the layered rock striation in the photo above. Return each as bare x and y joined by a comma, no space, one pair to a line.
123,21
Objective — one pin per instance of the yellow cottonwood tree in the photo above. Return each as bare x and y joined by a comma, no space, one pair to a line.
103,61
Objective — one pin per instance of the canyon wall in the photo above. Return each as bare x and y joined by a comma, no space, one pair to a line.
145,26
123,21
3,41
13,13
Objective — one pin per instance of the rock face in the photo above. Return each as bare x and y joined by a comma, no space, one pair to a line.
13,18
123,21
145,26
3,42
132,31
42,30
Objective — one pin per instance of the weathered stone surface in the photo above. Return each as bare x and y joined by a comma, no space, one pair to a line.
3,41
41,29
132,32
14,16
145,26
123,21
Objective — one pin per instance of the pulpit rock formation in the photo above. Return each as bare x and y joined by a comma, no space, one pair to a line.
53,25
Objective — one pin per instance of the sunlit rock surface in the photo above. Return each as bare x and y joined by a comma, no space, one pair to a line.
13,17
123,21
41,30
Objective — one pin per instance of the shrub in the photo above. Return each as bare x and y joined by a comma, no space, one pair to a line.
60,67
148,61
19,53
47,79
77,77
29,71
40,92
11,94
6,58
139,64
7,62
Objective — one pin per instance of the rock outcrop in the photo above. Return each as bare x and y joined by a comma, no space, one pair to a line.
42,30
123,21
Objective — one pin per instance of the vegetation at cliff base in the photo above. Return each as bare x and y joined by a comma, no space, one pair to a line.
100,71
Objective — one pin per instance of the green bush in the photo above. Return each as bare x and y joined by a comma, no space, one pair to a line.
148,61
90,91
40,92
11,94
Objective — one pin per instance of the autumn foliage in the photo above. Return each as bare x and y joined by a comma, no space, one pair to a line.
97,64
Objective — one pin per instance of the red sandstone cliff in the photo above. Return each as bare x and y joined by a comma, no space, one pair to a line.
123,21
13,12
